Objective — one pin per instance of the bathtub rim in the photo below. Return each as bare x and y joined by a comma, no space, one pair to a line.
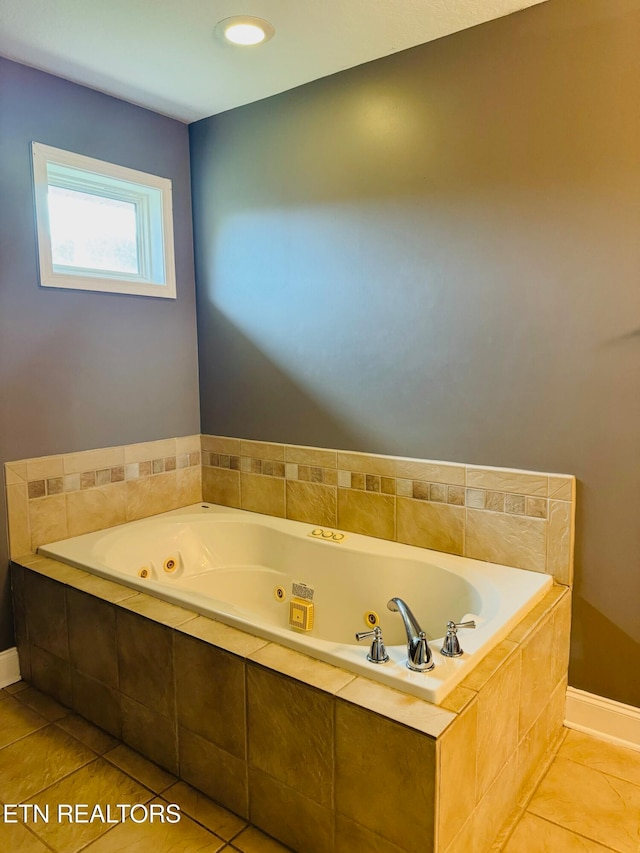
429,687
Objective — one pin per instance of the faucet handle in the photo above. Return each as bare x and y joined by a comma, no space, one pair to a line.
377,653
451,646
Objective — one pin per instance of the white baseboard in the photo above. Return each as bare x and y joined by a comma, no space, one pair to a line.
603,718
9,667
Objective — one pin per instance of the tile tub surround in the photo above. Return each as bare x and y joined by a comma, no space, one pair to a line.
311,754
518,518
55,497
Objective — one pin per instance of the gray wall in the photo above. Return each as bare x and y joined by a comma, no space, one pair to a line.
437,255
83,370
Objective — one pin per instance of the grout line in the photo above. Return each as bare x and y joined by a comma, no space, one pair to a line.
568,829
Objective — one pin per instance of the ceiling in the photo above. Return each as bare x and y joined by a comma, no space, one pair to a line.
162,54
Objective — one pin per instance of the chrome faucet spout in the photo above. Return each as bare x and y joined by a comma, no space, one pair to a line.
419,657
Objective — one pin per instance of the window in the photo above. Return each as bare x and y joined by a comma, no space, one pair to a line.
102,226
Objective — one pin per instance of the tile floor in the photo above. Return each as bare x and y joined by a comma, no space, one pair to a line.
587,802
49,755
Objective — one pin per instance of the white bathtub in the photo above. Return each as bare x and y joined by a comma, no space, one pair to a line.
229,563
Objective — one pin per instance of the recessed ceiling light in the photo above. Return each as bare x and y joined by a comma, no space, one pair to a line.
244,30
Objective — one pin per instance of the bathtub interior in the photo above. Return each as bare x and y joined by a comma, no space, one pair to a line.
234,561
228,564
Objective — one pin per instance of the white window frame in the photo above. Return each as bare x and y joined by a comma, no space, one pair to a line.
152,196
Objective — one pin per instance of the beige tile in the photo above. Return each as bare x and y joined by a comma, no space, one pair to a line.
475,498
294,819
107,590
136,765
369,747
562,488
42,704
210,693
497,723
458,699
221,486
92,460
15,473
47,520
395,705
151,495
365,463
515,504
534,617
506,480
185,836
388,485
56,571
404,488
189,482
457,793
251,840
312,503
46,614
203,810
437,526
16,687
97,703
17,720
285,721
146,662
215,772
95,509
150,732
262,450
508,539
560,542
366,512
534,750
438,493
465,840
147,450
220,444
262,494
455,495
496,806
223,636
187,444
351,837
37,488
32,764
535,835
18,520
311,456
96,783
92,637
609,758
51,674
88,734
16,838
433,472
537,507
499,502
157,610
313,672
562,633
538,675
595,804
44,467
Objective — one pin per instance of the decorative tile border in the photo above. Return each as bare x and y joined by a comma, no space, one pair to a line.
54,497
105,476
520,518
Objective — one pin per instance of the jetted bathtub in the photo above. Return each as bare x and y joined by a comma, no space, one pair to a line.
243,569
